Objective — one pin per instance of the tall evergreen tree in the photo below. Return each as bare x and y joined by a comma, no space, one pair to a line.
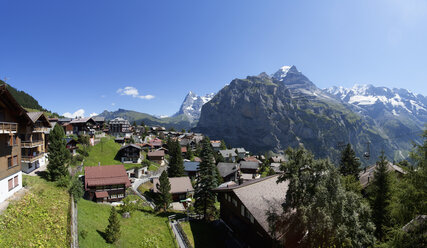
205,182
164,188
189,155
381,187
176,164
318,210
223,145
59,156
349,163
112,232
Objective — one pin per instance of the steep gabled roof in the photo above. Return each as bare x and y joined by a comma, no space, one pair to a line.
226,169
106,175
11,103
259,196
178,185
35,116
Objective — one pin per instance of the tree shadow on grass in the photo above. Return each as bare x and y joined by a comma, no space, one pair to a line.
43,174
102,234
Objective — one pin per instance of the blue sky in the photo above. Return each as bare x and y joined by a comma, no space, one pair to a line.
146,55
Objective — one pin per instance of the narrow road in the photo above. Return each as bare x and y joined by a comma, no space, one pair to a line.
178,236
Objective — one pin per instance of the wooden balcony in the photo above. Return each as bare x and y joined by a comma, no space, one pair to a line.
40,129
8,127
31,144
31,159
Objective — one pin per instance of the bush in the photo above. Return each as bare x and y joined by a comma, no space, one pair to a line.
76,189
63,182
83,234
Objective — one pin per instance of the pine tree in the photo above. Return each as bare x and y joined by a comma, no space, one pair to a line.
223,146
205,182
189,155
349,164
112,232
164,188
59,156
176,164
381,197
317,209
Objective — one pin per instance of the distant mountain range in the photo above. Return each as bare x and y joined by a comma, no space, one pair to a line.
272,112
185,118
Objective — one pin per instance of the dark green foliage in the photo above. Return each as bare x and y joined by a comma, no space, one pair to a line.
206,180
127,206
63,182
381,196
24,99
223,145
76,188
318,208
145,163
59,156
164,197
176,163
112,232
349,163
410,199
189,155
83,149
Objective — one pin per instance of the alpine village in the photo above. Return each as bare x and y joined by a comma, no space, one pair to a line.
185,124
117,181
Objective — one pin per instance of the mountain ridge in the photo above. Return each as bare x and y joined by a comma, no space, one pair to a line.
284,109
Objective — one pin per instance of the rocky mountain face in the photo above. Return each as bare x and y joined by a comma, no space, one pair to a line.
263,113
192,106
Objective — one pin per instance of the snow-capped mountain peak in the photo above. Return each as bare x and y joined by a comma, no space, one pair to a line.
192,105
373,99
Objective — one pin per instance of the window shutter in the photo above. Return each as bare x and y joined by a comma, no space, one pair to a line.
10,183
16,181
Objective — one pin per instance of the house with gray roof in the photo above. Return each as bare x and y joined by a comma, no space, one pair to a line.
244,209
229,155
367,175
191,168
249,167
241,152
228,171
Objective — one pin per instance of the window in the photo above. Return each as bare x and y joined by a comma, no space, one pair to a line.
16,181
113,196
235,202
242,210
120,195
10,183
9,162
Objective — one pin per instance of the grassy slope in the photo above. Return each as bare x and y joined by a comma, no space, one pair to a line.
105,152
39,219
135,231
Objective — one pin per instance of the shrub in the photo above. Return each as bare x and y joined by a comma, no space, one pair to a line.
83,234
63,182
76,189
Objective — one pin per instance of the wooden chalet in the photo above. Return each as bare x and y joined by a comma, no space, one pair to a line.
244,209
181,187
106,183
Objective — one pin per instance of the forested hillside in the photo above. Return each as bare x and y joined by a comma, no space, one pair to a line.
23,98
